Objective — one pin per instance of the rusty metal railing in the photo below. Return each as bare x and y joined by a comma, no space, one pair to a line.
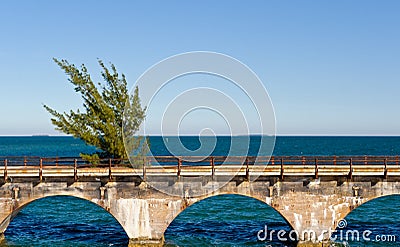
280,166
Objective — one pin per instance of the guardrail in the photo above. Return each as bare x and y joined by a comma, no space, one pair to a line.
279,166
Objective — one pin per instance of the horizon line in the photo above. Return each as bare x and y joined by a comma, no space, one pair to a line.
251,134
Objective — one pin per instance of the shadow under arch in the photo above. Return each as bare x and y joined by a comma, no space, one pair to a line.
227,218
379,216
65,219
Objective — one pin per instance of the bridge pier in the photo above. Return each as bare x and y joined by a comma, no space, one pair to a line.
144,218
146,242
317,209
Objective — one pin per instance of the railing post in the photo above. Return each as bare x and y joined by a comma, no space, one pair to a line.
334,160
282,170
316,168
247,169
385,172
41,170
212,167
144,171
5,170
272,160
75,170
179,167
25,161
351,168
303,160
109,168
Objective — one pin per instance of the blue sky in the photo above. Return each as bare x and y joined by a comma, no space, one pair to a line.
330,67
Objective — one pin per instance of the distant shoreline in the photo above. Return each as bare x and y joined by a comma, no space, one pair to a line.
283,135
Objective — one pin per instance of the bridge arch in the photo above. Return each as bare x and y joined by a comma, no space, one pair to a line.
21,205
368,203
364,202
364,223
230,200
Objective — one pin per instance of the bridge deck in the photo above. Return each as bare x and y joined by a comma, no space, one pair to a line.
282,166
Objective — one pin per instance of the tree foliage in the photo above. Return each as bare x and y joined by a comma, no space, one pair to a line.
101,123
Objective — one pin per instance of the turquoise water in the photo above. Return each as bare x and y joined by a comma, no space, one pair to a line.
219,221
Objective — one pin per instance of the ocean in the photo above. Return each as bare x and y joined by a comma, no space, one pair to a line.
227,220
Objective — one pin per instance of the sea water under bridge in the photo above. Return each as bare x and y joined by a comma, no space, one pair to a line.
312,193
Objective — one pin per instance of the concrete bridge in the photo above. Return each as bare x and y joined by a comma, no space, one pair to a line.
311,193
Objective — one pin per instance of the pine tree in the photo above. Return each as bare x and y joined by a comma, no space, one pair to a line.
101,124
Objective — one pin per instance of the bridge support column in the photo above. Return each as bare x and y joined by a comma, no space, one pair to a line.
145,220
7,213
314,211
144,217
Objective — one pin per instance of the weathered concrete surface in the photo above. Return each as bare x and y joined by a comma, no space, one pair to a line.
308,205
318,206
